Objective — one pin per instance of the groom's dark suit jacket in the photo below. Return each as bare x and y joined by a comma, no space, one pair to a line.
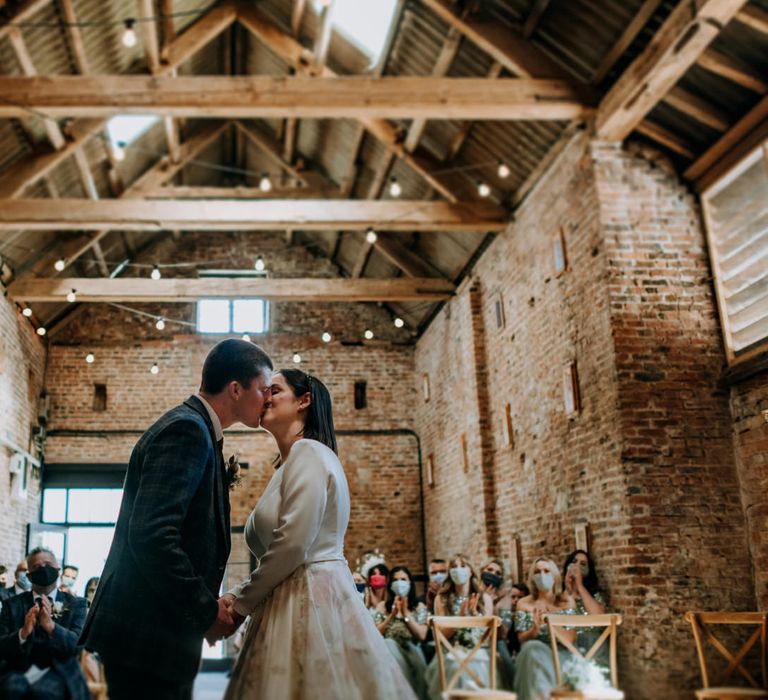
157,594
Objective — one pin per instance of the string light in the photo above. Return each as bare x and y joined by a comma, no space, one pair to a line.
26,311
259,265
155,274
399,323
394,187
246,338
503,170
265,184
483,189
160,325
90,358
72,296
154,369
129,35
368,334
326,337
296,358
59,265
370,236
41,331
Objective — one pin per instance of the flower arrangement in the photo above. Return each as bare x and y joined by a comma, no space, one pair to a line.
581,674
233,476
58,609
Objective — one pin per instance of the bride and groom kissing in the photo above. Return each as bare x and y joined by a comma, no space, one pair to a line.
158,598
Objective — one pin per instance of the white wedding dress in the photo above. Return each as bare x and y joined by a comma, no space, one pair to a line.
310,635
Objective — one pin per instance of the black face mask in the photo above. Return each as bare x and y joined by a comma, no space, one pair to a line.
360,587
44,576
490,579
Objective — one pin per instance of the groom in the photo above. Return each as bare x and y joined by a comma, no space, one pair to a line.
159,592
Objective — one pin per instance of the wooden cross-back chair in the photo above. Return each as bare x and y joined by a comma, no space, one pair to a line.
609,622
443,645
700,625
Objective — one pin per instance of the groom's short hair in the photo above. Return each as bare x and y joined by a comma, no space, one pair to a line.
233,360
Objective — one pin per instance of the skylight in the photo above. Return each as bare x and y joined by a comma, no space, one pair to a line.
365,24
126,128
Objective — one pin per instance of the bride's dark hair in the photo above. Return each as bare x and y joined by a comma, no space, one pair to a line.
318,423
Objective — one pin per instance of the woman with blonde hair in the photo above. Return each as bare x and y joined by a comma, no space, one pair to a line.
534,670
461,595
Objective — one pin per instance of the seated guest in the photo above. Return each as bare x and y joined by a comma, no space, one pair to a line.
376,593
69,578
461,595
90,589
438,573
21,580
360,584
506,608
581,583
5,591
39,630
534,670
404,626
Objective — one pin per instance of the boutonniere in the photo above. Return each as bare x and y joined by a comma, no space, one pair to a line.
233,477
58,609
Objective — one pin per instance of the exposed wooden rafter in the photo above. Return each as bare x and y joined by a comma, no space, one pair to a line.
25,10
733,69
179,289
534,16
677,45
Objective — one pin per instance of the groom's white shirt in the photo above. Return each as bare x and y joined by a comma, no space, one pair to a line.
214,418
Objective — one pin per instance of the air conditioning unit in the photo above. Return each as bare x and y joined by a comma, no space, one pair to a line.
18,464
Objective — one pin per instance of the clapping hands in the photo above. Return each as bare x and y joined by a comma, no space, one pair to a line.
226,622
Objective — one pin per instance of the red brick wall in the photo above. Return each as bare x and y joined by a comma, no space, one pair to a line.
648,460
22,363
382,469
749,399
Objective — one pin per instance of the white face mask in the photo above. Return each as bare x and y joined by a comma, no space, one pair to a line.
67,581
460,575
401,588
439,577
544,582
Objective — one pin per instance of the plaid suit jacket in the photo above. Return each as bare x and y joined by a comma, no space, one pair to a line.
157,595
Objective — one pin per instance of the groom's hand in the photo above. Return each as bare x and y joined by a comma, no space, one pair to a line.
237,618
222,624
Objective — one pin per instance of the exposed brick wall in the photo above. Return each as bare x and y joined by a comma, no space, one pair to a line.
648,460
382,469
22,363
749,399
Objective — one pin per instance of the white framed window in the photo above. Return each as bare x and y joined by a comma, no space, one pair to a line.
232,316
735,210
365,24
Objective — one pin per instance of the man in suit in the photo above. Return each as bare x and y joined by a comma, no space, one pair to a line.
39,630
5,591
159,592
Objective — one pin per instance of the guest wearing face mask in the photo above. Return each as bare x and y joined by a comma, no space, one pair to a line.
404,627
376,594
506,609
22,582
461,595
5,591
534,671
90,589
581,583
360,584
39,630
69,578
438,574
492,579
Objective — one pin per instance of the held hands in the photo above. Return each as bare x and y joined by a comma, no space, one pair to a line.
470,605
537,621
44,616
226,622
30,621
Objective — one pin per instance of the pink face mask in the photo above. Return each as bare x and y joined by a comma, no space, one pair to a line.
378,581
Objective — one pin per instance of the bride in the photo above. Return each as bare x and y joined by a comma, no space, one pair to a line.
309,635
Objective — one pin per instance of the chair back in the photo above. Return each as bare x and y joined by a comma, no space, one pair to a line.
442,645
609,622
701,622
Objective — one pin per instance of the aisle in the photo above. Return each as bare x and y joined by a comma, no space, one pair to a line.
210,686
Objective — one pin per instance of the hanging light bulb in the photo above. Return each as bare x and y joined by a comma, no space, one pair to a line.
503,170
41,331
129,34
296,358
394,187
259,265
160,325
399,323
26,311
72,296
90,358
368,334
154,369
483,189
118,152
59,265
265,184
155,274
370,236
326,337
246,338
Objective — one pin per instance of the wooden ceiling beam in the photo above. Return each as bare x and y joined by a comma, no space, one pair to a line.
515,53
206,192
228,215
534,17
754,17
732,69
181,290
665,137
698,109
75,37
412,264
678,44
24,12
404,97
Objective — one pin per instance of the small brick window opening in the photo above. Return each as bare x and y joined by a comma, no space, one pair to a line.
361,397
99,397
